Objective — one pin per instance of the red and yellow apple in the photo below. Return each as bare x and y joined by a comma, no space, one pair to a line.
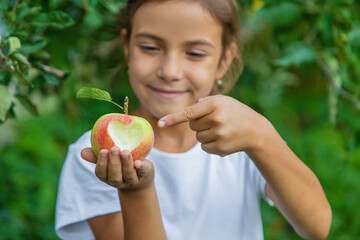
127,132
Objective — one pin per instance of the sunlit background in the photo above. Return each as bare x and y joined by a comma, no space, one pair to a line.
302,71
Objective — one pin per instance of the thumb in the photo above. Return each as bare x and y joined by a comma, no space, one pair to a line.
88,155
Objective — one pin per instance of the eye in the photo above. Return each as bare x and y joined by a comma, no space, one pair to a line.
196,54
149,48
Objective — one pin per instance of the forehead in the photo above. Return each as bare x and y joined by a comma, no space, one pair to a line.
177,20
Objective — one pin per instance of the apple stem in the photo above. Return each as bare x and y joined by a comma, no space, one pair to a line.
126,105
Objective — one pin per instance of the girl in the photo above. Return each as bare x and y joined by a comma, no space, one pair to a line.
213,157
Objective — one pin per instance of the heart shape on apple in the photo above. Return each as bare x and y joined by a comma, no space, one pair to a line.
127,132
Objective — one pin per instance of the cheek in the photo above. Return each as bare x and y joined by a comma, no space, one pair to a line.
140,65
202,77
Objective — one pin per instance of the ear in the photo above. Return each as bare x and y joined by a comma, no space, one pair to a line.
124,37
226,60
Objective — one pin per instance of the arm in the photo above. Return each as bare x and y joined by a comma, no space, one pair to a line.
140,217
224,125
291,185
141,213
107,227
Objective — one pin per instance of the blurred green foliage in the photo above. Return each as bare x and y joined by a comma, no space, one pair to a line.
301,71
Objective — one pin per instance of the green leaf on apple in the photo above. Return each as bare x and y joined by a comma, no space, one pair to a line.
95,93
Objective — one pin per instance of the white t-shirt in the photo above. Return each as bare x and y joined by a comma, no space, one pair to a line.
201,196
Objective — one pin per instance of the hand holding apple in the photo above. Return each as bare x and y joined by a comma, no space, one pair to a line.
118,169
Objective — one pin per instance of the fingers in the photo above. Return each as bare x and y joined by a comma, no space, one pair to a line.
102,165
205,136
192,112
214,148
114,170
200,124
209,147
88,155
143,168
128,171
115,167
118,169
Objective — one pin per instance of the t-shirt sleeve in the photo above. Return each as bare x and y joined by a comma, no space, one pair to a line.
259,181
81,195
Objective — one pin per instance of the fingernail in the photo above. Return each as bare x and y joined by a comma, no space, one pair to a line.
138,164
161,123
126,157
103,154
114,152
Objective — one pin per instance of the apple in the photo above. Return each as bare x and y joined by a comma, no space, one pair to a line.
127,132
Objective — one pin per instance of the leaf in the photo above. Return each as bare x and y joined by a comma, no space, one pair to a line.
31,48
93,93
355,158
24,11
354,37
21,59
280,15
57,19
14,44
96,93
113,7
5,102
26,102
295,55
325,26
93,18
51,79
257,5
3,4
20,77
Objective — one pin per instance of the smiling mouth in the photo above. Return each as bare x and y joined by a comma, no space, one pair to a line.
168,94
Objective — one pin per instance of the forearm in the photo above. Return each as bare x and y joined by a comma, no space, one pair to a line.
296,190
141,214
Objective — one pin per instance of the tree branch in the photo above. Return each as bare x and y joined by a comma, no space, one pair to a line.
338,88
15,6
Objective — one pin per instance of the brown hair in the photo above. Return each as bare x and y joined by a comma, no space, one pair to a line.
225,11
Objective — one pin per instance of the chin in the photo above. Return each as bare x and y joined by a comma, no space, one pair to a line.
159,108
159,113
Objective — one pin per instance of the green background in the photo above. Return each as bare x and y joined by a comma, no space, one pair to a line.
301,71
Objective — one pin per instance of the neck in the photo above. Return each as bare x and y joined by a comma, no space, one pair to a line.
174,139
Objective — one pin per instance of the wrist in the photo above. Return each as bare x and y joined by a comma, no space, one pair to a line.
261,136
138,191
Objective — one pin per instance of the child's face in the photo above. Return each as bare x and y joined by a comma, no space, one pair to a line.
173,55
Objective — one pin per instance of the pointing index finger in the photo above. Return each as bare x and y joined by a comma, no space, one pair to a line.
192,112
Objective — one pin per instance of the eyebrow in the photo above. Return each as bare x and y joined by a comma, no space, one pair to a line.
149,35
157,38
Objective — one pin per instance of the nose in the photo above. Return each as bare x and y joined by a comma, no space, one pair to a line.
170,69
